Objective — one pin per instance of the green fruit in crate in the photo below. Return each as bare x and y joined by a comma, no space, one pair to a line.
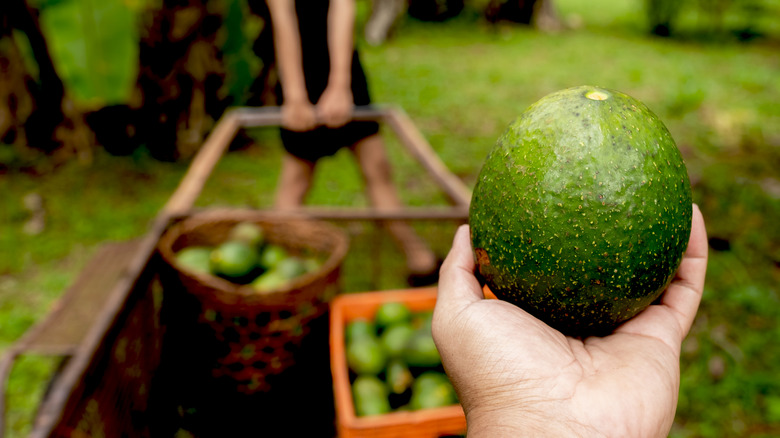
272,254
422,321
395,338
432,389
366,356
398,376
249,233
195,258
358,328
370,396
421,351
270,281
233,259
391,313
582,210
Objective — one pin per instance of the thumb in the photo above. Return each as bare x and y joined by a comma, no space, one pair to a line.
458,287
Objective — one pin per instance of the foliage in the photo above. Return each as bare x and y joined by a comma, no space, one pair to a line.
739,19
94,45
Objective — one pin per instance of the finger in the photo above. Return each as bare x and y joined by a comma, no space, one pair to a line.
684,293
457,284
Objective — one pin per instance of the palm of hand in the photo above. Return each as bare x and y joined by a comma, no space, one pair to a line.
590,385
513,372
298,116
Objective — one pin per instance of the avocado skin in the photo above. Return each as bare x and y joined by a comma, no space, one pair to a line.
582,211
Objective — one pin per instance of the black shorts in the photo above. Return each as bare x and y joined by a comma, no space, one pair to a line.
323,141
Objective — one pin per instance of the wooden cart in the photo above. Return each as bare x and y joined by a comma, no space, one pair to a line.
120,378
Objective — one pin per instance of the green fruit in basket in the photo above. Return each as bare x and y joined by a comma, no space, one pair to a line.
233,259
398,376
249,233
421,351
358,328
391,312
395,338
195,258
311,264
290,267
272,254
270,281
432,389
366,356
370,396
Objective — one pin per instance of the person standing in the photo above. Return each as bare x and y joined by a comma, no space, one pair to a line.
321,80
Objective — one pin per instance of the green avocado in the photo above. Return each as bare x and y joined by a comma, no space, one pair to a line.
366,356
369,394
195,258
432,389
233,259
582,211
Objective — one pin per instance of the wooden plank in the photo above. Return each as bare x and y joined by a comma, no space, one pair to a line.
203,164
74,312
63,389
457,213
68,322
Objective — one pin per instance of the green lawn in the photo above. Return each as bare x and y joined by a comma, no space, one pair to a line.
462,82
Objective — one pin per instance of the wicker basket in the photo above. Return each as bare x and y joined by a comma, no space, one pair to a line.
256,335
426,423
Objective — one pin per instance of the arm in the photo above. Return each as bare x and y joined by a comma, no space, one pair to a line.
336,103
297,112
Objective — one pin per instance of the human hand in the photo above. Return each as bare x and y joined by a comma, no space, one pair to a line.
335,106
516,376
298,115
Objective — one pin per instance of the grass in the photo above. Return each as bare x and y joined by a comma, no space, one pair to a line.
462,82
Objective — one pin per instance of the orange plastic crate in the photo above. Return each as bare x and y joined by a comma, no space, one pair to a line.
427,423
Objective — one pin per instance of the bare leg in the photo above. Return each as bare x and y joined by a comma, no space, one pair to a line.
382,194
294,182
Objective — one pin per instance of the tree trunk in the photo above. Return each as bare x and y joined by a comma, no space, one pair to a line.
384,14
35,112
538,13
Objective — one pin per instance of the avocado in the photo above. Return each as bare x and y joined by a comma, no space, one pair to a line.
432,389
370,396
398,376
195,258
582,210
365,355
358,328
391,312
271,255
270,281
248,232
420,350
233,260
395,338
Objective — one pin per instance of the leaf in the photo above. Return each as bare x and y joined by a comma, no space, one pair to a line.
94,47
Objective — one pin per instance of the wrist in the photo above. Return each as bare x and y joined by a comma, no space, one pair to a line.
512,423
293,95
340,82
